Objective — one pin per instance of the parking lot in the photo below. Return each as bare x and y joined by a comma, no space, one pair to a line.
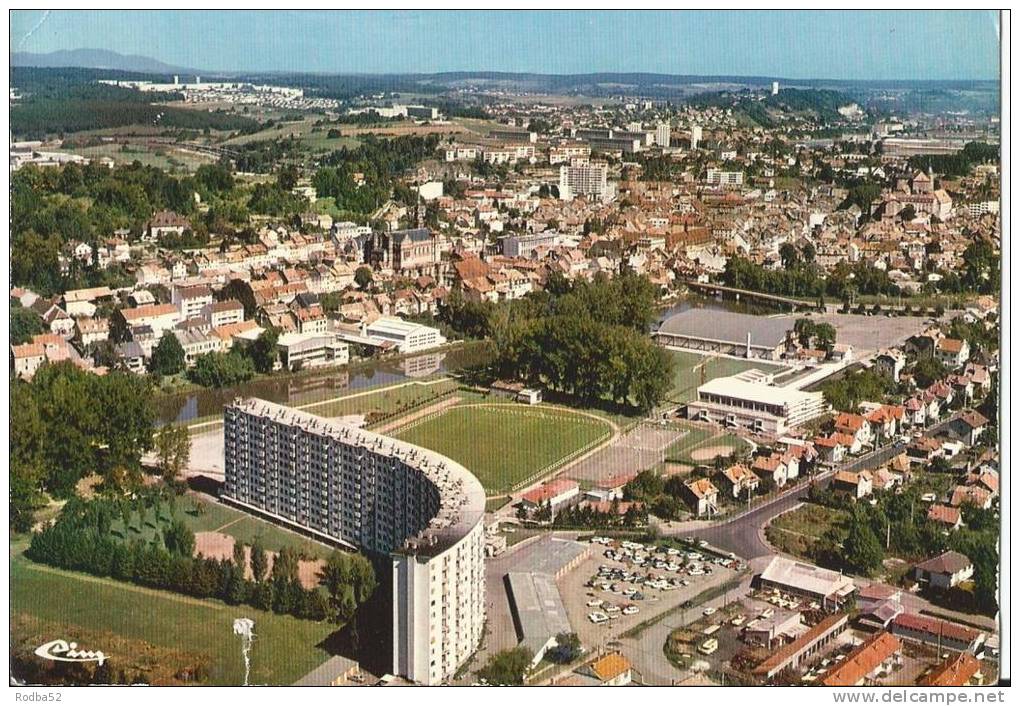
625,584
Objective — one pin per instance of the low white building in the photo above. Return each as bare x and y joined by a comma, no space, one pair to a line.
739,402
408,336
308,350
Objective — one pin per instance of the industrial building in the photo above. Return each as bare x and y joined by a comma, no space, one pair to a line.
711,331
352,487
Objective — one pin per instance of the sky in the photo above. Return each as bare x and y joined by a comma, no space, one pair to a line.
917,45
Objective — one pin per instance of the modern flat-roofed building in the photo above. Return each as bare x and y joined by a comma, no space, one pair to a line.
741,402
300,351
408,336
348,486
584,178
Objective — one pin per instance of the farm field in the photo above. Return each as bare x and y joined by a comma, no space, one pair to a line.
687,375
163,157
520,443
286,648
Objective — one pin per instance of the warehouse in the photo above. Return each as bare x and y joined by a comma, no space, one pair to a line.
830,588
728,333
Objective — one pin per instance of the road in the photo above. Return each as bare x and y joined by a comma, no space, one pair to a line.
743,534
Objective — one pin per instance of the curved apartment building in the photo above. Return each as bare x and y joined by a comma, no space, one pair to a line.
376,493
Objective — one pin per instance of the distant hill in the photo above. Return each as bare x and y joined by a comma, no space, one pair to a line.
96,59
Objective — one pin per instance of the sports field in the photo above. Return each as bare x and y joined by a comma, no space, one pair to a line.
285,647
688,372
507,445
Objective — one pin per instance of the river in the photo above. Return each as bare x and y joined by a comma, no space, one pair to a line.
309,387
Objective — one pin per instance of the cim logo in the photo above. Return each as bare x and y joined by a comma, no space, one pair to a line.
63,651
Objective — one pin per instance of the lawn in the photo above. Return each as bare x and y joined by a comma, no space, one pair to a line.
697,438
203,515
372,402
688,372
285,647
507,445
796,532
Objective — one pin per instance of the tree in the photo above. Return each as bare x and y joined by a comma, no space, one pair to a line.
24,323
173,451
168,356
259,561
349,580
263,351
179,539
862,552
507,668
789,255
363,277
219,369
568,648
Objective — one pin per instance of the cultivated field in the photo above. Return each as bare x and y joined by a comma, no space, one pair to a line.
507,445
285,648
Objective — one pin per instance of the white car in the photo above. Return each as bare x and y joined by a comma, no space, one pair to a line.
708,611
598,617
595,603
613,609
631,610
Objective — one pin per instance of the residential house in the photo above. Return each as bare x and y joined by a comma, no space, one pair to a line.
891,363
972,495
952,352
27,358
702,497
771,468
857,484
831,449
738,481
857,428
969,426
958,670
222,313
190,301
947,570
612,669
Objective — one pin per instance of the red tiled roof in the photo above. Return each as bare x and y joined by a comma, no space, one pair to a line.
863,660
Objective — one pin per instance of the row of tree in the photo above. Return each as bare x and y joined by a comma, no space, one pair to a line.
84,538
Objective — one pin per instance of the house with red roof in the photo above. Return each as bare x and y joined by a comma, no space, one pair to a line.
949,517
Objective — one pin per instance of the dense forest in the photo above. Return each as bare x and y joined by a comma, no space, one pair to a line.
61,101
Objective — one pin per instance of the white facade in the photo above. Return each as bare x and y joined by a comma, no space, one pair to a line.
385,496
583,178
662,134
718,177
408,336
734,402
